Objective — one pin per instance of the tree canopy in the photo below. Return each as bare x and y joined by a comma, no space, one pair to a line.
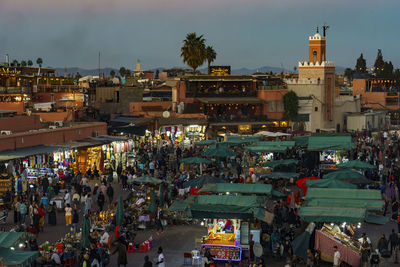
210,55
194,51
39,61
361,65
379,64
291,106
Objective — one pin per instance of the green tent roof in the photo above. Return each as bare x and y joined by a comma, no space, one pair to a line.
17,257
375,218
219,151
147,180
346,203
278,194
195,160
301,140
13,239
332,214
205,142
219,211
356,164
343,193
178,206
200,181
278,175
288,144
283,162
329,183
244,138
319,143
348,175
262,189
266,149
243,201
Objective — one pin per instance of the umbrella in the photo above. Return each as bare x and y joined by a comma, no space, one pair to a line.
147,180
356,164
264,133
218,151
120,213
85,242
200,181
161,195
152,207
348,176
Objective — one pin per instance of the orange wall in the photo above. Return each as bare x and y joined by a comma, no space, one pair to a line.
138,106
55,116
20,123
17,106
271,95
359,86
51,137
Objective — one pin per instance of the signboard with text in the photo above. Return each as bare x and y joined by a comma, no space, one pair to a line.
220,70
224,252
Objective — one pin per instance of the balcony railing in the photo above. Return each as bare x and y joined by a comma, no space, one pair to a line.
271,87
15,90
224,94
59,88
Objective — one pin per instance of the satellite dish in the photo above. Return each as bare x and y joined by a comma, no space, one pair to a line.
257,249
165,114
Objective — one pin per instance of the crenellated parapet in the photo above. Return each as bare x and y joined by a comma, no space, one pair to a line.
303,81
305,64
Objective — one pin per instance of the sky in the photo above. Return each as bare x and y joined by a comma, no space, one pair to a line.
244,33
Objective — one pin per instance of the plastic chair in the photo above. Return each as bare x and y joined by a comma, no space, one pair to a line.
131,248
187,256
196,259
68,262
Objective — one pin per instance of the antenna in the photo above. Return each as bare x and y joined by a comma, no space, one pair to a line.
324,29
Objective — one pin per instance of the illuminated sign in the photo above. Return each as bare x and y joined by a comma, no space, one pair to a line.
224,252
10,71
220,70
14,98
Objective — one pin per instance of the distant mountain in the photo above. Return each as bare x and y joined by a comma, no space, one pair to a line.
240,71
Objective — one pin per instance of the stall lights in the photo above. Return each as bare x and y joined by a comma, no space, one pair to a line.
227,193
12,248
21,245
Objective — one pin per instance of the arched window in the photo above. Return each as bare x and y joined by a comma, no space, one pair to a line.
314,56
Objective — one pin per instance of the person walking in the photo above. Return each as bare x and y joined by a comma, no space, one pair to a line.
52,214
122,257
365,251
75,219
393,240
68,215
88,203
147,262
23,210
110,193
160,260
100,201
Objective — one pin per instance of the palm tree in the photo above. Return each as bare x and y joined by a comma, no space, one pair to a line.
23,63
210,55
30,63
39,61
112,73
14,63
122,71
193,51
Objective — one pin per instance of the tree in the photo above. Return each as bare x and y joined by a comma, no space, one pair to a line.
211,55
361,65
122,71
30,63
78,76
396,75
348,73
291,106
14,63
157,75
294,69
39,61
127,72
112,73
23,63
379,64
388,70
193,51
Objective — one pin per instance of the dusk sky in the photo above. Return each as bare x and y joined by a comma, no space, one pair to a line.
245,33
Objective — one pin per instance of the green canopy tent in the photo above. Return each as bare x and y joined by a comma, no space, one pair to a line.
356,164
17,257
332,214
85,242
301,141
329,183
375,205
243,201
205,142
262,189
152,206
347,175
278,175
284,162
178,206
339,193
203,211
200,181
288,144
320,143
266,149
244,138
376,219
278,194
196,161
147,180
120,212
218,151
13,239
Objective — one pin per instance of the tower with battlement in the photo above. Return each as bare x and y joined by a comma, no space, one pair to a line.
316,82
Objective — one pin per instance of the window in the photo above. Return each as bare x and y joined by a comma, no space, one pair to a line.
304,117
316,109
271,106
279,106
314,56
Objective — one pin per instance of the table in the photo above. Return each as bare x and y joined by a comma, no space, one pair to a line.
325,243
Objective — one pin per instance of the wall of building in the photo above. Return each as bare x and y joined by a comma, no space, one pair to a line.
55,116
104,94
343,106
20,123
151,106
366,121
51,137
17,106
273,106
359,86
